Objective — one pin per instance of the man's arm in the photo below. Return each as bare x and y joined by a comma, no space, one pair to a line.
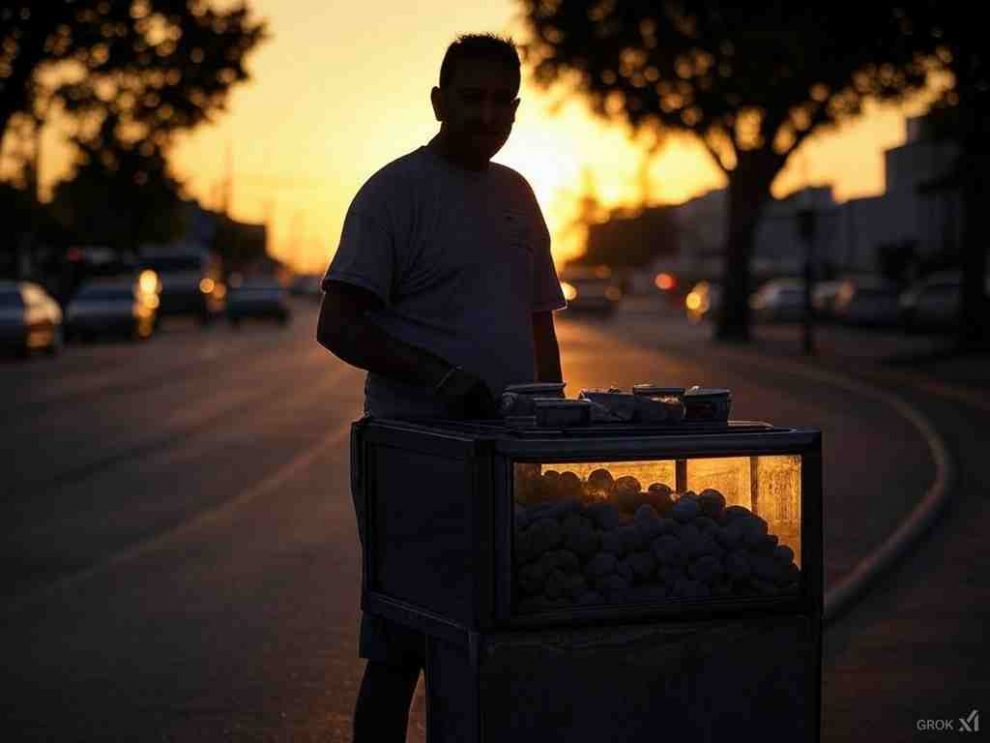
546,350
346,329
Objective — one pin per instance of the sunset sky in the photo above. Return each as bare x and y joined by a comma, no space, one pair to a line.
343,88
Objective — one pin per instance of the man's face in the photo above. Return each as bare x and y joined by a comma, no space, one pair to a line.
477,108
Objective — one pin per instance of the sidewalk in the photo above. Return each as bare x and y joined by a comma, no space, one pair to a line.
908,651
923,361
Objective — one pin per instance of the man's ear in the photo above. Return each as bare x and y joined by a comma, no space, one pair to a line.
436,98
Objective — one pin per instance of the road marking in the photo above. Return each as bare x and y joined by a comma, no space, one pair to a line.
276,479
175,429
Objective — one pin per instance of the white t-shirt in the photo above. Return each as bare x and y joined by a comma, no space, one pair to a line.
461,260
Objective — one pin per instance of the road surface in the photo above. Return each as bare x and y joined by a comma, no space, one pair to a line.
180,559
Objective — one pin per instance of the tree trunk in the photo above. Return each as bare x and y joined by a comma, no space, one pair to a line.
749,190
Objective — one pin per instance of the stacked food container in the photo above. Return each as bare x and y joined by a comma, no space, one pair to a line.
611,574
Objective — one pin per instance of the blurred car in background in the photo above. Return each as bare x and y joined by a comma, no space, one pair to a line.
590,288
823,296
125,307
778,300
867,300
934,302
256,297
189,281
29,319
306,285
703,301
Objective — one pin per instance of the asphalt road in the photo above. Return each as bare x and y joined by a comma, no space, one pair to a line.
180,561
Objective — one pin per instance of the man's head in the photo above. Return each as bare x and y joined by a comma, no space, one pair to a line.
476,100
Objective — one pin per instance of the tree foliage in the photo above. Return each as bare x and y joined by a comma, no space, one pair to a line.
751,82
119,195
155,66
128,74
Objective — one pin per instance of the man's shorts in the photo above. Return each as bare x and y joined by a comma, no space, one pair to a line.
386,641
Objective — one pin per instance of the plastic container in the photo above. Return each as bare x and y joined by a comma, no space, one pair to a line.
657,409
554,412
652,390
517,399
620,406
707,404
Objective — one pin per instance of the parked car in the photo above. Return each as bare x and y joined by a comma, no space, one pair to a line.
823,296
125,307
29,319
703,301
190,281
779,300
257,296
590,288
867,301
307,285
934,302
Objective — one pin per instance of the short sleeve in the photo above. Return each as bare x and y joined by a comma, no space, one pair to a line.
547,294
365,255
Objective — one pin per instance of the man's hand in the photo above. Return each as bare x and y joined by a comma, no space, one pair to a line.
466,395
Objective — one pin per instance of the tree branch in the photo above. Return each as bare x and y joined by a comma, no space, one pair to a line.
818,118
714,153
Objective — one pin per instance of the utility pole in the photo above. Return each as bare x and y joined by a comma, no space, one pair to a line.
807,228
226,194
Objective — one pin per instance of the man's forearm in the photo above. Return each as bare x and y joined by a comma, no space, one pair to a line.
364,344
546,349
548,365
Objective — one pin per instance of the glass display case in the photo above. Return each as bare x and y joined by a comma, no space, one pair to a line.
602,582
684,529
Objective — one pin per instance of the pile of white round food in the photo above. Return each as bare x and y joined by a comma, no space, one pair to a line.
606,541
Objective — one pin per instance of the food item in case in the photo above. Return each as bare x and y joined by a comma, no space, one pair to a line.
569,485
601,483
712,502
569,551
626,494
660,496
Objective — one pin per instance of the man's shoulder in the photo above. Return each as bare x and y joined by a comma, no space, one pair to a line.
518,190
513,177
393,179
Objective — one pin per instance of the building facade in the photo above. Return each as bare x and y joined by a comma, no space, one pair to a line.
915,221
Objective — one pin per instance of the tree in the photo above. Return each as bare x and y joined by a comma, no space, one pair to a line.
752,82
129,74
157,66
119,195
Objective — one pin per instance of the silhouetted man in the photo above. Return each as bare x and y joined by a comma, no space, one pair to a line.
443,289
